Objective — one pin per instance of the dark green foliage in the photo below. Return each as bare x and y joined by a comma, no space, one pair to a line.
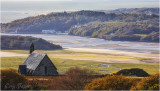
23,43
133,72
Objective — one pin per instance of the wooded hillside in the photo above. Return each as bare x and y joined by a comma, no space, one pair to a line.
112,26
23,43
147,11
117,30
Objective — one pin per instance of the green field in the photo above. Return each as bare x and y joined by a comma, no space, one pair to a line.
64,64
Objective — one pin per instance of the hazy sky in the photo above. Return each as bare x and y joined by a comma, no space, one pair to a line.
51,5
79,0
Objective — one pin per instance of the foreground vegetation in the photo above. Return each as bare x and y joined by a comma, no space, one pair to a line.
116,82
23,43
77,79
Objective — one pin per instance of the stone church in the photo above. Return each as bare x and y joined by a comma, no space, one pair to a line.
37,64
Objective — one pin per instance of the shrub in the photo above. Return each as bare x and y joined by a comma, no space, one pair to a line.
37,85
113,82
148,83
11,80
80,71
74,79
133,72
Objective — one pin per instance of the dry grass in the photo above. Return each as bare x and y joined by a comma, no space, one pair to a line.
86,56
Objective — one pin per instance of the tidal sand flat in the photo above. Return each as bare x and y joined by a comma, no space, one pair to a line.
83,48
12,54
149,58
67,41
89,54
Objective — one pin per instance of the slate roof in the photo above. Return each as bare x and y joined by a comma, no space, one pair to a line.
34,60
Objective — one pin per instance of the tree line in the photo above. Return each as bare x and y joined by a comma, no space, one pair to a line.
120,30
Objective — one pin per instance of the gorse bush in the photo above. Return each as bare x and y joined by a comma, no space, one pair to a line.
148,83
11,80
80,71
133,72
113,82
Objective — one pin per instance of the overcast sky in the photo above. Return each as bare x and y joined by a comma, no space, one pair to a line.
43,5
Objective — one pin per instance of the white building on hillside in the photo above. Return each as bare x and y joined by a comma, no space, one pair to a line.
49,31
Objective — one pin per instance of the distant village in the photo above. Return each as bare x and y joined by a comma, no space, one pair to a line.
45,31
50,31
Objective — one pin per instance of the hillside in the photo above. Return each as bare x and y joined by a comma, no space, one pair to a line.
130,26
23,43
63,21
147,11
121,31
59,22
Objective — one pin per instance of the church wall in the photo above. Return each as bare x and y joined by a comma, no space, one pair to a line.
49,66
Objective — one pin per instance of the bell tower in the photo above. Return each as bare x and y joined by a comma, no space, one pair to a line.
31,48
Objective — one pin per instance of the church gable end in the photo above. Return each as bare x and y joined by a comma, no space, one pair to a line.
46,67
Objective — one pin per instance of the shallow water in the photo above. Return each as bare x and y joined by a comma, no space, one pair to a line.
84,42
